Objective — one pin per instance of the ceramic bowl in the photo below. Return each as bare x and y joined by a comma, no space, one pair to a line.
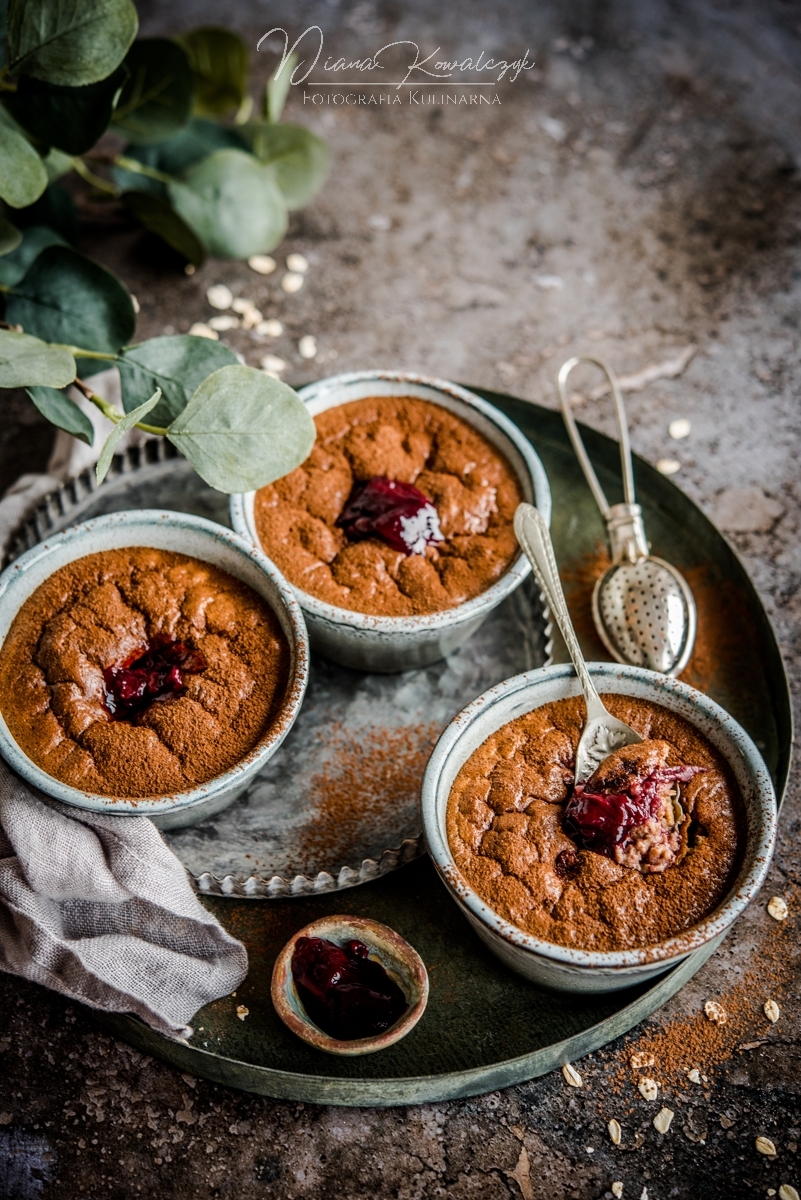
561,967
387,644
401,962
162,530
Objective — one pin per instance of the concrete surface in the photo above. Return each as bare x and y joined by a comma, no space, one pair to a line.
636,194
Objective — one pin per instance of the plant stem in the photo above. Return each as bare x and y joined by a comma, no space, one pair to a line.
4,86
101,184
113,414
131,164
79,352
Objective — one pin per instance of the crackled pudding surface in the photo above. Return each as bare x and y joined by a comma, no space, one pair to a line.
512,837
470,483
65,655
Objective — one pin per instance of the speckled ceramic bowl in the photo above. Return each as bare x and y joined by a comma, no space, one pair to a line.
562,967
401,962
388,644
162,530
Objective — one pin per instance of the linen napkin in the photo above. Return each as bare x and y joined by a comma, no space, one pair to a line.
97,907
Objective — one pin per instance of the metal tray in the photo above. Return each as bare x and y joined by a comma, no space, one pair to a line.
485,1027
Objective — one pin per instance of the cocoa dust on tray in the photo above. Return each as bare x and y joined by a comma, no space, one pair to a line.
472,486
106,610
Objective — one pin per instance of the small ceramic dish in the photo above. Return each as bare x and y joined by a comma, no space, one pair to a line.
162,530
566,968
386,644
401,962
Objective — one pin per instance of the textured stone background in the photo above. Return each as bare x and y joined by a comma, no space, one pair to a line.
650,165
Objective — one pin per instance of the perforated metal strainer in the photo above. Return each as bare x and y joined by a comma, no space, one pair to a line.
642,606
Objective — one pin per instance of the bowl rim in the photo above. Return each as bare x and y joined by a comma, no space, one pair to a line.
745,886
241,508
368,930
142,520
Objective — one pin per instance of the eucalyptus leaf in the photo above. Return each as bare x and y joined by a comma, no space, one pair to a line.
242,429
35,239
298,157
25,360
233,203
177,154
119,430
55,208
69,299
219,61
10,237
156,99
70,118
278,89
177,365
157,215
23,177
69,42
57,164
61,412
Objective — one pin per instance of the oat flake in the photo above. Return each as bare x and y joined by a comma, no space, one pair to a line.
615,1131
788,1192
716,1012
765,1146
307,346
242,1012
223,323
220,296
292,281
772,1010
262,264
680,428
663,1119
201,330
572,1076
777,907
694,1076
648,1088
668,466
640,1059
298,263
617,1189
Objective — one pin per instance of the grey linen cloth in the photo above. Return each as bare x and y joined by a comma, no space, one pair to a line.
97,907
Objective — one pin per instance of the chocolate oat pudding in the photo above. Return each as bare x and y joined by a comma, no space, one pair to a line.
646,849
401,509
141,672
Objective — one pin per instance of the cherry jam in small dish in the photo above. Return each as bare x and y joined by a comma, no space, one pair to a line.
344,992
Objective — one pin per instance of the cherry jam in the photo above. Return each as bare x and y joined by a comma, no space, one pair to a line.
345,993
396,512
155,674
603,820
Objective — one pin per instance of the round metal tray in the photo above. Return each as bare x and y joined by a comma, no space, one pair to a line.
485,1027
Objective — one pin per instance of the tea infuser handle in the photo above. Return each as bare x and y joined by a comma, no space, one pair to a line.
575,436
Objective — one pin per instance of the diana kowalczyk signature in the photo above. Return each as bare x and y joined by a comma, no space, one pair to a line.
439,69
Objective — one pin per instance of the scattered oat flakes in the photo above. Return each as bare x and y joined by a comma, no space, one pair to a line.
772,1011
765,1146
668,466
663,1119
777,907
201,330
242,305
272,364
135,303
715,1012
219,296
615,1132
788,1192
307,346
648,1088
680,428
694,1076
572,1076
262,264
223,323
617,1189
640,1059
242,1012
292,281
297,262
271,328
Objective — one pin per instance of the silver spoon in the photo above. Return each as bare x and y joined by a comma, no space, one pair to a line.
602,733
642,606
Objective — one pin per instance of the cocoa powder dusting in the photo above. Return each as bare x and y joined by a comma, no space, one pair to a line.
472,486
103,611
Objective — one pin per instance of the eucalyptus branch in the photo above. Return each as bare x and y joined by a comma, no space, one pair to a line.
101,184
131,164
113,414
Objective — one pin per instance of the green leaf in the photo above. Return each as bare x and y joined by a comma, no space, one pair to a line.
54,208
299,159
35,239
121,428
57,164
61,412
25,361
66,298
157,215
278,89
219,61
70,118
233,204
242,429
22,174
157,97
69,42
177,365
177,154
10,237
